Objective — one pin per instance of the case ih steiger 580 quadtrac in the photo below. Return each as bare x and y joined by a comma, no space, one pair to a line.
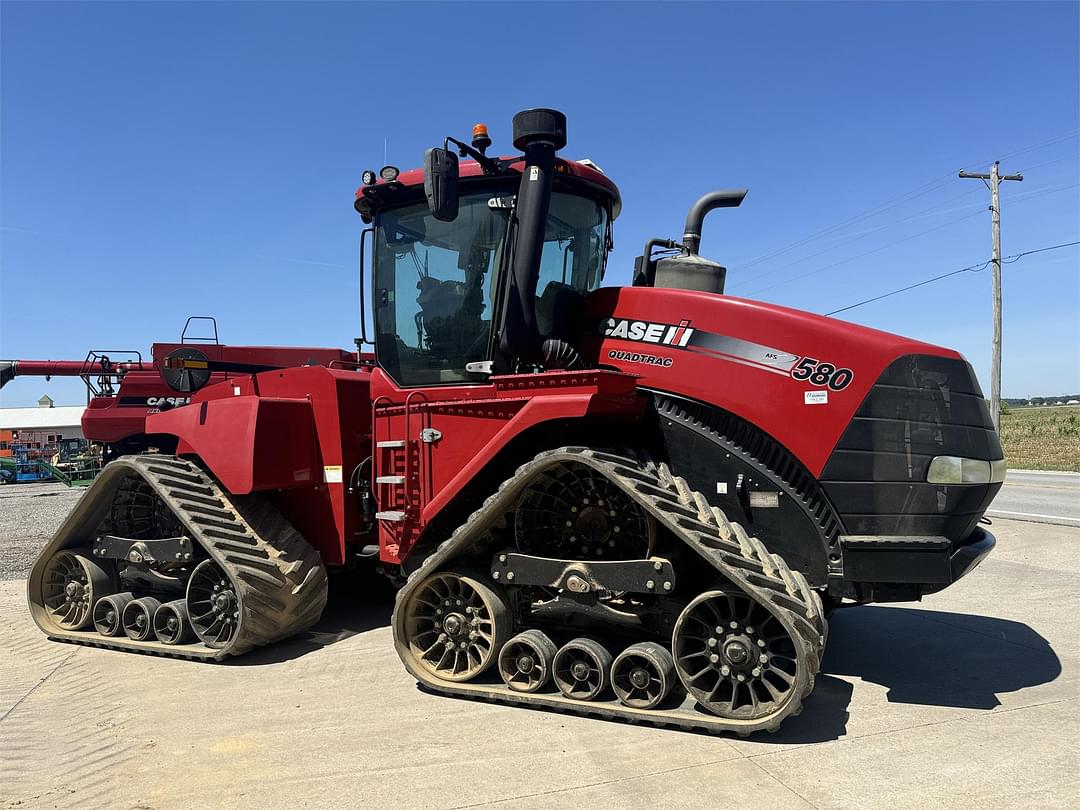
623,502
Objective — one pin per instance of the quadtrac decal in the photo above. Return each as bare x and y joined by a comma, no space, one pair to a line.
734,350
638,357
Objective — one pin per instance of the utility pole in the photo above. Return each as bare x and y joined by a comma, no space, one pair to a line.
995,179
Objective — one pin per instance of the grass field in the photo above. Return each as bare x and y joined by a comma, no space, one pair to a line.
1042,438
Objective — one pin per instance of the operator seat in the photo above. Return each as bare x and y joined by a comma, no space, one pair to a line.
560,314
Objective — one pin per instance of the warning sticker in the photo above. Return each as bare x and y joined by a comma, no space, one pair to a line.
332,474
815,397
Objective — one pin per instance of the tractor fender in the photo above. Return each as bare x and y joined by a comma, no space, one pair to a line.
249,443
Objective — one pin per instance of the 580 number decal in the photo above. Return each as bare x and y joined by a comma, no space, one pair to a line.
816,372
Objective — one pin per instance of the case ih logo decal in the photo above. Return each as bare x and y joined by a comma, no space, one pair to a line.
153,402
664,334
725,347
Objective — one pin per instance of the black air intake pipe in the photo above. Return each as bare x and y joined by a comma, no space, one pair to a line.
539,134
694,219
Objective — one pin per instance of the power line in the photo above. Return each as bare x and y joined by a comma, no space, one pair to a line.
925,188
1034,193
1051,162
865,234
914,194
865,253
974,268
1064,136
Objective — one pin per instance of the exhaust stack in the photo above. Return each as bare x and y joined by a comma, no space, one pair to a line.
696,216
690,271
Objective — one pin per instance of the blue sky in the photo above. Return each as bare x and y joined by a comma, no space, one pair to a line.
161,160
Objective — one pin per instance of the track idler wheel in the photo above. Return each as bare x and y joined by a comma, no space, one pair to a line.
526,660
733,656
138,618
109,612
456,625
71,584
582,668
171,623
213,605
642,675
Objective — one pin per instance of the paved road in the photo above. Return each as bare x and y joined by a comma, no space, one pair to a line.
1043,497
969,699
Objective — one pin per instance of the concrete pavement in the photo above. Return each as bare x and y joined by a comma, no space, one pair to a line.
1042,497
969,699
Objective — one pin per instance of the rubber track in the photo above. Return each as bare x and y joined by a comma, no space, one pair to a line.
279,577
737,557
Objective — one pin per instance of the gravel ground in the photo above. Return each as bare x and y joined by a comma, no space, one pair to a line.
29,516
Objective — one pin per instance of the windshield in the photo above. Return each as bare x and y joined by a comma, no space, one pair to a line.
435,282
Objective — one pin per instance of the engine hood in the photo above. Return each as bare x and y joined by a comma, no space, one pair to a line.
797,376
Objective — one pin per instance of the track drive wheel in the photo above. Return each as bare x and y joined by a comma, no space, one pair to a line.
582,668
71,584
456,624
571,511
139,513
526,659
642,675
733,656
213,605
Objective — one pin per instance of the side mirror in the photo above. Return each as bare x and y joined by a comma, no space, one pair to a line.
441,183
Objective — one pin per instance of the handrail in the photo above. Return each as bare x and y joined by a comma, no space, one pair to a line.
408,453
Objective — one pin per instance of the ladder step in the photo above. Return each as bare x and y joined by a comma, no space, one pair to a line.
390,445
395,517
390,479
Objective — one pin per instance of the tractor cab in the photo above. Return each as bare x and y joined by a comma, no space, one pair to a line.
483,267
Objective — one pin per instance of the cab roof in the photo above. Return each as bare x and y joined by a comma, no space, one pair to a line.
409,184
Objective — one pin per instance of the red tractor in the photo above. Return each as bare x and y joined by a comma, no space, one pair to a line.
634,502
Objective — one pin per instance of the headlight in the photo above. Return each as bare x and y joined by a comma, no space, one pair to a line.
956,470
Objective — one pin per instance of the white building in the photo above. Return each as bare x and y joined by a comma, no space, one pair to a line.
50,423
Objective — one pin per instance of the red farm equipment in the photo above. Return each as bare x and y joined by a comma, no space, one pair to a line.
635,503
122,388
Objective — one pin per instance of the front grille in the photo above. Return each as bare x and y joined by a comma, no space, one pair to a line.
922,406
